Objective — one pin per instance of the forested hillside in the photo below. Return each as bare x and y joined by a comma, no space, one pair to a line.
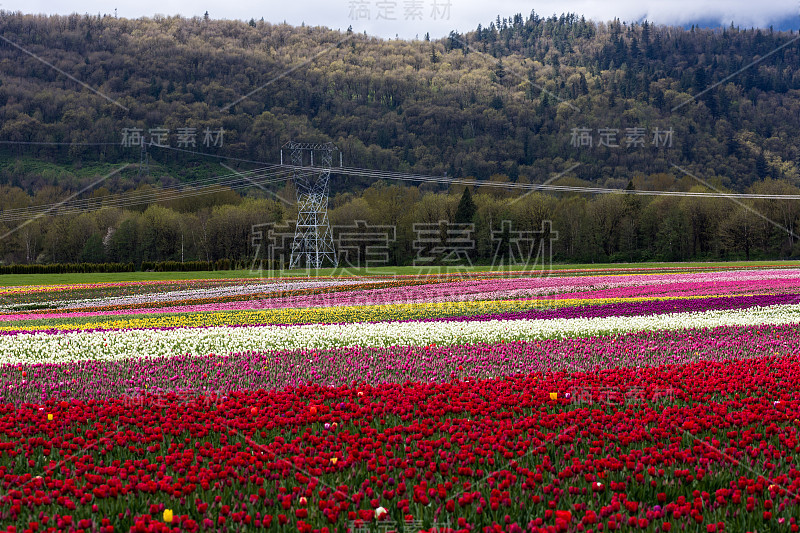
522,99
503,99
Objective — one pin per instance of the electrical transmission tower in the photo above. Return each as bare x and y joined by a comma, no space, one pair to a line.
313,238
144,166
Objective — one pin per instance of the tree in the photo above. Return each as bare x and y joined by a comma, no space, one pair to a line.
632,202
466,208
784,213
703,216
161,237
739,231
93,251
607,213
762,167
582,85
499,70
123,246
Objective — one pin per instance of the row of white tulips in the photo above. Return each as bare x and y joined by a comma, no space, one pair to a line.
108,345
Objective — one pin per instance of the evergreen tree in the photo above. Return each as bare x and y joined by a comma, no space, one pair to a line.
466,208
632,202
500,70
582,85
762,167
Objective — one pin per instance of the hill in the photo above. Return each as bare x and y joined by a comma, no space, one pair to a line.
508,98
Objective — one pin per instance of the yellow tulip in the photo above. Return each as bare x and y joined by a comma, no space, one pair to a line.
553,395
49,416
168,515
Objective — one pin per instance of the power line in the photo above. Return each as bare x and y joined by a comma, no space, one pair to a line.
267,174
38,143
160,195
399,176
217,156
193,152
126,202
203,182
382,174
67,210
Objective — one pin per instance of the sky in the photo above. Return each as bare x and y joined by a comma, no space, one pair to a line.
410,19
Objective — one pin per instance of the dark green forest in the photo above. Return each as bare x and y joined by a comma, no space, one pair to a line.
524,99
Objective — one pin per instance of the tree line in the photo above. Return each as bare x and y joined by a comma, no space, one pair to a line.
585,229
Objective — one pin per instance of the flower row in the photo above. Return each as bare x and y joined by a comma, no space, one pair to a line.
38,347
188,375
514,452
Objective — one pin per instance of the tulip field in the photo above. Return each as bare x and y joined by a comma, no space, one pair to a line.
648,399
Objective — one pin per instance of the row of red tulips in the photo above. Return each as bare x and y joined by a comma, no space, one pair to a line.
523,452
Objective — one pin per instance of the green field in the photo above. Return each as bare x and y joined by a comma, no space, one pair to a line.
7,280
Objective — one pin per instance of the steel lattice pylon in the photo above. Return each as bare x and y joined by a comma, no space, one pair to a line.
144,166
313,238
